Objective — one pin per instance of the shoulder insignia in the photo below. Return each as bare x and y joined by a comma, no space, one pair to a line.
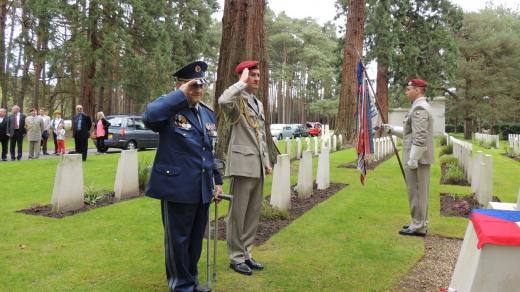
206,106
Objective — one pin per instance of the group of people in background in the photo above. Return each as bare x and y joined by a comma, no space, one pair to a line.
38,128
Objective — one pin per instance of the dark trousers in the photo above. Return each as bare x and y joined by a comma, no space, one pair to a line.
100,143
16,140
5,143
45,137
184,226
55,140
81,145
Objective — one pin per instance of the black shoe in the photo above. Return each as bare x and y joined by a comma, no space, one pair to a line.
46,153
241,268
201,288
254,265
411,232
406,226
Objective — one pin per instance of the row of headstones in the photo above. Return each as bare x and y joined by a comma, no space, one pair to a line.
478,170
383,147
68,192
333,142
463,151
281,186
514,142
491,139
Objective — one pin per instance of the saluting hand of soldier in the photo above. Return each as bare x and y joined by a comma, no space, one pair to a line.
245,75
185,88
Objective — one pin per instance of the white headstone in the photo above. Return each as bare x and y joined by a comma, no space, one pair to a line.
316,146
376,148
281,187
323,176
477,163
288,147
334,143
518,200
305,181
486,185
67,194
298,148
127,178
340,141
308,143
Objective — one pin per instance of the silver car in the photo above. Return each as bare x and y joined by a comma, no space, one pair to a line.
129,132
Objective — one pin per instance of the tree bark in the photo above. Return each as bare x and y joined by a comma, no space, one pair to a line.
243,38
3,75
346,120
88,72
382,88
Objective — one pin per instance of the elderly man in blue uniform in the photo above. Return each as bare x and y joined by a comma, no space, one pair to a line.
184,176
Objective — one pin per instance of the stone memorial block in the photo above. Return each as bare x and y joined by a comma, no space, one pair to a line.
298,148
288,147
316,146
308,143
340,141
305,181
323,176
127,178
477,162
67,194
376,149
334,143
281,186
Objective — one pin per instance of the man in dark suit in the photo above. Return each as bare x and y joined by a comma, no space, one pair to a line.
16,131
184,175
4,139
81,124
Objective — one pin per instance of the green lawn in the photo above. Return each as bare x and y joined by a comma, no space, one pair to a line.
347,243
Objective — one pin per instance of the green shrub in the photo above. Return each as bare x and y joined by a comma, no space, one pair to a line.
443,141
446,150
454,173
449,160
93,194
145,167
270,212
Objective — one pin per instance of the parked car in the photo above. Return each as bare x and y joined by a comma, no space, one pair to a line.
276,129
314,129
129,132
293,131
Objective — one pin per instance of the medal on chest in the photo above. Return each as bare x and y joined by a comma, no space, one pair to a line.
182,122
211,129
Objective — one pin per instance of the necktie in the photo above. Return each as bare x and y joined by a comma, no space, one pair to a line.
196,113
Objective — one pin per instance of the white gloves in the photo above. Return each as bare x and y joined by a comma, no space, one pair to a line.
415,154
393,130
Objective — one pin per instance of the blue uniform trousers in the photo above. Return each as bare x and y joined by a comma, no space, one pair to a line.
184,226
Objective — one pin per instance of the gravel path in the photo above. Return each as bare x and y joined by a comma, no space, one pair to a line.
435,269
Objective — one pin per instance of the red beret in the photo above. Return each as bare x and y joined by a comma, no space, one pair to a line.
245,64
417,83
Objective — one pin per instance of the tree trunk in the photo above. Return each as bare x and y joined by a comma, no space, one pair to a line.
88,72
346,120
27,50
243,38
3,75
468,127
382,88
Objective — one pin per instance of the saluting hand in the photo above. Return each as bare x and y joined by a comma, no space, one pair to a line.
185,88
245,75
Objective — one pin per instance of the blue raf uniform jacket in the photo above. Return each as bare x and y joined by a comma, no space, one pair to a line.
184,169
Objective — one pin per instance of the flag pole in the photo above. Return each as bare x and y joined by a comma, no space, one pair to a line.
381,113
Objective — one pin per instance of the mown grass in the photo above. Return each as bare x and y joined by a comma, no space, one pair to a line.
347,243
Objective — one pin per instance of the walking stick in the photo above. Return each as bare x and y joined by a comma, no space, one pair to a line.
208,243
381,113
